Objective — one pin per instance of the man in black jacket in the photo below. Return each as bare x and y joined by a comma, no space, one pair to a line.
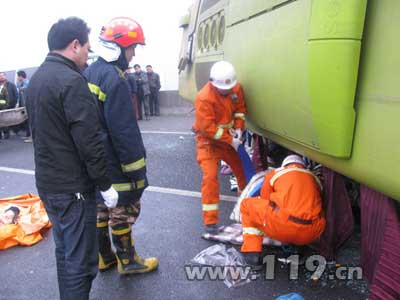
123,143
69,155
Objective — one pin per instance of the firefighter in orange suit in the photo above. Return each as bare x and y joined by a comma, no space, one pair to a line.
219,123
289,209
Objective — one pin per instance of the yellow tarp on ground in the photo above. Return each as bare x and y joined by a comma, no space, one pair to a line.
32,219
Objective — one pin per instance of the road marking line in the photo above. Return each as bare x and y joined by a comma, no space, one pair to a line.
20,171
187,193
168,132
155,189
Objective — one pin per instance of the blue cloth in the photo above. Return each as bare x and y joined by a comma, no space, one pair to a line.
256,190
74,232
291,296
248,167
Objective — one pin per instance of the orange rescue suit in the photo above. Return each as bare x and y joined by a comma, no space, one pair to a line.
289,209
215,114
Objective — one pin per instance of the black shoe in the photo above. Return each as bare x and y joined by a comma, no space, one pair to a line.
253,260
211,229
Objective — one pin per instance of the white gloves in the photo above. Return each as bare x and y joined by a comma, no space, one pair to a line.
110,197
236,143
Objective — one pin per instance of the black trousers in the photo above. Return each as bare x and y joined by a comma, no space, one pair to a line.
4,133
154,102
143,103
74,231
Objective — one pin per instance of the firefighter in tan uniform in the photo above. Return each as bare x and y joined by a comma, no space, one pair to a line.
219,123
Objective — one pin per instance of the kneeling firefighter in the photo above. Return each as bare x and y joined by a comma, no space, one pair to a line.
124,146
289,209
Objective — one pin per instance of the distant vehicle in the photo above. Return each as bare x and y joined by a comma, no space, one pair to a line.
14,116
320,77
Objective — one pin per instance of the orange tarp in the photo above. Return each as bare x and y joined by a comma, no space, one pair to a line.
31,220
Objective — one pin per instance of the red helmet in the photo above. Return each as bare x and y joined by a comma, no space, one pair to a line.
123,31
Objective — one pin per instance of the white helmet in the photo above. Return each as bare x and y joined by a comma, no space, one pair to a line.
223,75
290,159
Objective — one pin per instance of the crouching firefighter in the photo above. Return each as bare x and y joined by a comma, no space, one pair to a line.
289,209
125,151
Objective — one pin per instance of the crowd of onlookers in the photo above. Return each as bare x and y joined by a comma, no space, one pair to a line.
13,96
145,88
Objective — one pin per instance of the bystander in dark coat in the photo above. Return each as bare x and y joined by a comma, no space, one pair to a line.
143,92
69,154
155,85
8,99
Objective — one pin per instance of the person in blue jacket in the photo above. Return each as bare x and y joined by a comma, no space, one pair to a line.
124,146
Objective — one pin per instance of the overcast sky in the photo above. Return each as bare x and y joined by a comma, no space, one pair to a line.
26,23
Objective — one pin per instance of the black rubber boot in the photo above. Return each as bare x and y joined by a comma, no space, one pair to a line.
128,260
253,260
211,229
107,257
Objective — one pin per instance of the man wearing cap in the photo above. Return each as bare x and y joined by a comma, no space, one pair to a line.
219,122
289,209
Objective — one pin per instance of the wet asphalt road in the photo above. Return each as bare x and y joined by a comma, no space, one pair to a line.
169,228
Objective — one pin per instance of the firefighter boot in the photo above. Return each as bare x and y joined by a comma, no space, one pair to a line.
128,260
107,257
212,229
253,260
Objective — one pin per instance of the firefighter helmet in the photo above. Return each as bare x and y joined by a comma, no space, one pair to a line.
291,159
223,75
123,31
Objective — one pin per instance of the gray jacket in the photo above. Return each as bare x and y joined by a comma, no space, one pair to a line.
142,82
154,81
